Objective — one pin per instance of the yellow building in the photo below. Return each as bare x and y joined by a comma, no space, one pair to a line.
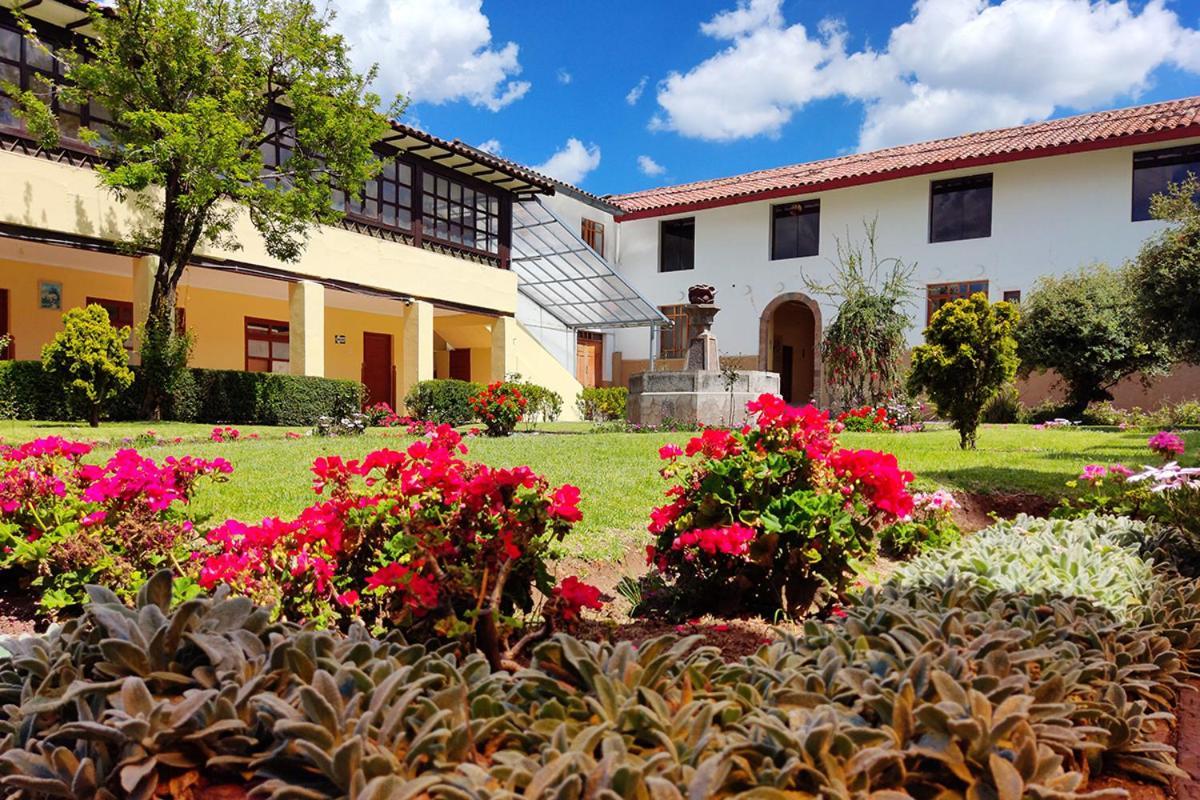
418,282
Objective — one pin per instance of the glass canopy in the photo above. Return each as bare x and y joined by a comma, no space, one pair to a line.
559,272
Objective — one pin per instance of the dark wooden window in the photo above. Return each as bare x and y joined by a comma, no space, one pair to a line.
939,294
1155,170
795,229
26,65
386,200
593,235
459,214
677,245
673,341
120,314
1012,296
267,345
960,208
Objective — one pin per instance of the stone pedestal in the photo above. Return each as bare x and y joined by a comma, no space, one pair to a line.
695,396
702,349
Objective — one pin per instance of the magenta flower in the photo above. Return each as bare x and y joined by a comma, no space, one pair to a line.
1166,444
1093,472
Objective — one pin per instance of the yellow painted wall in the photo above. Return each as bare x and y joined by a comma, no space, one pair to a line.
59,197
345,360
33,326
481,366
534,362
217,322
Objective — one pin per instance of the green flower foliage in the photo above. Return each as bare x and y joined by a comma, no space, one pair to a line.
941,691
1092,557
88,357
968,356
1084,328
1166,272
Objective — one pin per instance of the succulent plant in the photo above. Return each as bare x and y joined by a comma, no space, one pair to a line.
943,690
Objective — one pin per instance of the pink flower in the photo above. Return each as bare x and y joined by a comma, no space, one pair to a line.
669,451
1093,472
1166,444
1119,471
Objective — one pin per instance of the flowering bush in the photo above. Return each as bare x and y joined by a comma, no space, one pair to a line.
66,524
352,424
382,415
930,526
868,418
224,434
1166,444
420,539
500,407
766,517
1105,490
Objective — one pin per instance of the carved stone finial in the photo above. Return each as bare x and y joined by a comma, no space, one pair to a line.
701,294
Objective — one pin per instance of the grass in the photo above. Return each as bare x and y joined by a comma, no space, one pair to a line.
616,472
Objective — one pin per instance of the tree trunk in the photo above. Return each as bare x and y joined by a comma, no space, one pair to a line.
94,415
160,324
487,638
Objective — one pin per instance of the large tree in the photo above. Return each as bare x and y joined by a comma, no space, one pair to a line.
1084,327
1166,273
195,88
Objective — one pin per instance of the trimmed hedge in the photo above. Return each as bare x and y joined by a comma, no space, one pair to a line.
443,400
204,395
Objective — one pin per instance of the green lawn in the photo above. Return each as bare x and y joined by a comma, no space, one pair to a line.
615,471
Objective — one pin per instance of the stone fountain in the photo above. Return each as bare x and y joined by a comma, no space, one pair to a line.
701,392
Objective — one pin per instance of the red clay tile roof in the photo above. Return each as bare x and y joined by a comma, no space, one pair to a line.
1170,120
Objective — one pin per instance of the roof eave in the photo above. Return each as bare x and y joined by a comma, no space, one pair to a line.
1183,132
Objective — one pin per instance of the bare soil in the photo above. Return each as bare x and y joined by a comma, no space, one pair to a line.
980,509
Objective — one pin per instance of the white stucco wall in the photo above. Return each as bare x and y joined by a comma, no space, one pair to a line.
1049,215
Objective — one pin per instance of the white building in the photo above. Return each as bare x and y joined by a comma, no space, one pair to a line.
989,211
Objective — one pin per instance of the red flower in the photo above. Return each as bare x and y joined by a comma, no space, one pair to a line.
575,596
565,503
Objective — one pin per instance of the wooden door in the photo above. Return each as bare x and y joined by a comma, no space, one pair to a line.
460,364
5,352
378,377
787,367
589,358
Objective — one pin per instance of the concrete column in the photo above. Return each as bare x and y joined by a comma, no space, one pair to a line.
416,350
145,269
504,347
306,335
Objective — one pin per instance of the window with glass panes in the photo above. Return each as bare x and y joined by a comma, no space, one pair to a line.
28,66
1155,170
458,214
267,345
939,294
388,199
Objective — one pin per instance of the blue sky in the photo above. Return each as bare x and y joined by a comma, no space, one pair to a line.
739,85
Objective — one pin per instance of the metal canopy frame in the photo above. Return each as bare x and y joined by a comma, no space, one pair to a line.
557,270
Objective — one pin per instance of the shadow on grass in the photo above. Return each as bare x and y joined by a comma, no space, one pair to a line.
1003,480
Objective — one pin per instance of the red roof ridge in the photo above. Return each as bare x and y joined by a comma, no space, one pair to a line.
1088,128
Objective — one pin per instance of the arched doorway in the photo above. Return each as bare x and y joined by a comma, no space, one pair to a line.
789,342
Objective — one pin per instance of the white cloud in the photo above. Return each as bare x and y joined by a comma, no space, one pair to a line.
635,93
492,146
955,66
564,77
649,166
432,51
572,162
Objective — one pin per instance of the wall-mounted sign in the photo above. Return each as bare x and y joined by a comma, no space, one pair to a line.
50,295
339,338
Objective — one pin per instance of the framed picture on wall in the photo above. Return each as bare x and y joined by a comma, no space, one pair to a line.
50,295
